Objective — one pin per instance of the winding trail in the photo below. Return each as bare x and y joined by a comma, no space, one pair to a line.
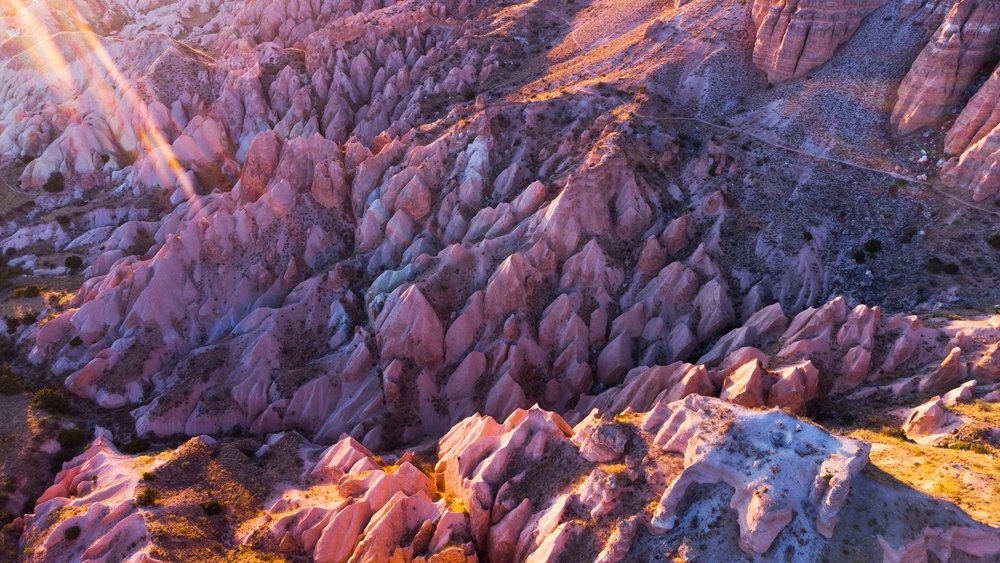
11,197
766,141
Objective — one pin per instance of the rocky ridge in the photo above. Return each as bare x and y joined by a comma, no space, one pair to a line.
365,224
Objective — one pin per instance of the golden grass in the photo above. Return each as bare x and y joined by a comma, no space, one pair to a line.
969,479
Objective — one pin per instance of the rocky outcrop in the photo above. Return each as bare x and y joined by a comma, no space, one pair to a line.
513,490
797,36
948,64
931,422
975,140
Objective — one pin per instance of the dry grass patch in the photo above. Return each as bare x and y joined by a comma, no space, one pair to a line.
967,478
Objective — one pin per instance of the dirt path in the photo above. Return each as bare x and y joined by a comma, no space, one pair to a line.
766,141
11,198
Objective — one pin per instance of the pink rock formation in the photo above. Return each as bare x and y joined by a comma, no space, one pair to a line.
763,507
931,422
947,375
975,139
946,67
797,36
512,490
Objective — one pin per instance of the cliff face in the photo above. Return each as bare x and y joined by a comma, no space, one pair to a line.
797,36
947,66
975,140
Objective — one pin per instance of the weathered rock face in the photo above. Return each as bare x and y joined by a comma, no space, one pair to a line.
797,36
975,139
357,227
529,488
948,64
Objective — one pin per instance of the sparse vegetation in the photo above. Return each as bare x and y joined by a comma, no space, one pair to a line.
71,439
10,382
50,400
147,497
136,446
897,433
873,246
148,475
73,262
969,447
55,184
937,266
212,507
27,292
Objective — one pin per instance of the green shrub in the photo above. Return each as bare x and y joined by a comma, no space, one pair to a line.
873,246
212,507
147,497
75,341
50,400
72,438
858,256
807,235
937,266
994,241
969,447
136,446
898,433
27,292
56,183
148,475
72,533
10,382
29,318
73,262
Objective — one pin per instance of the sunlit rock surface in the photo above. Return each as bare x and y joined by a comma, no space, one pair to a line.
456,280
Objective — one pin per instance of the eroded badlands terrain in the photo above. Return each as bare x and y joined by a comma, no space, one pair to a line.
375,280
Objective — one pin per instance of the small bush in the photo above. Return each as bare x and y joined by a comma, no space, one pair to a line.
937,266
12,325
136,446
29,318
147,497
994,241
807,235
72,438
873,246
898,433
50,400
969,447
858,256
56,183
148,475
75,341
10,382
72,533
212,507
27,292
73,262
